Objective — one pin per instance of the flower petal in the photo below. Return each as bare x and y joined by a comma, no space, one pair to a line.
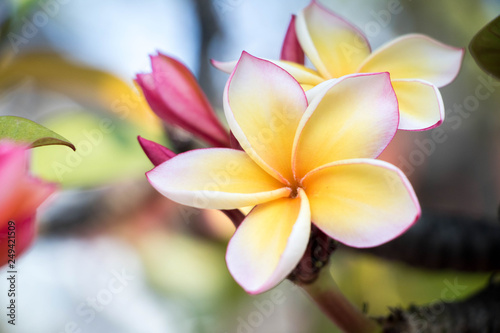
320,89
420,104
355,116
263,106
224,66
13,167
334,46
30,193
362,202
20,196
21,193
416,56
291,49
269,243
215,178
179,99
156,153
147,84
305,76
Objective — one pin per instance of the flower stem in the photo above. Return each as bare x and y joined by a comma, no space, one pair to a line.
336,306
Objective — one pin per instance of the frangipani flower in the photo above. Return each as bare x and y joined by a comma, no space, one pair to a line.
303,161
175,96
418,64
20,196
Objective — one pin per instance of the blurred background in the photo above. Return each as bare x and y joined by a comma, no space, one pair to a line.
115,256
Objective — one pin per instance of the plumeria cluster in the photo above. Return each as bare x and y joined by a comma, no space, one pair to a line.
307,140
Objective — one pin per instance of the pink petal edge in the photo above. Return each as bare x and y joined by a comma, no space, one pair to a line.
345,21
224,66
441,107
176,97
156,153
291,49
243,56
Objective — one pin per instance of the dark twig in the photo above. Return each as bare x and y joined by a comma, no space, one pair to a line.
209,28
317,256
479,313
440,241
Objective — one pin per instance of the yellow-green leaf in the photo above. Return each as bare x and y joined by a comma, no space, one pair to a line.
20,129
94,89
107,150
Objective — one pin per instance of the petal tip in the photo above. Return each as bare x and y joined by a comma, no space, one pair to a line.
325,9
291,50
441,109
214,62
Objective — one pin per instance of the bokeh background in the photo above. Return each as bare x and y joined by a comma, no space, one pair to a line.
114,256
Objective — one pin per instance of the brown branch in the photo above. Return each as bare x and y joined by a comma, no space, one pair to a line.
479,313
443,241
316,256
325,293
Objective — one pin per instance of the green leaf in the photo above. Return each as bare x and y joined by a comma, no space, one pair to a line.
485,48
24,130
